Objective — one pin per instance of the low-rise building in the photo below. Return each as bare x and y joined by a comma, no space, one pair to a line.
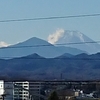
35,88
8,90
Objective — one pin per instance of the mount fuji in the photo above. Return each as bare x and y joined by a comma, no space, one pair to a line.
71,37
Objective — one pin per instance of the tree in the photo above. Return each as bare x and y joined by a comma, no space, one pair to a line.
53,96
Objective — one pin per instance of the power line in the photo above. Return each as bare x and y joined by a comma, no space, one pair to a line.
61,44
50,18
43,58
79,43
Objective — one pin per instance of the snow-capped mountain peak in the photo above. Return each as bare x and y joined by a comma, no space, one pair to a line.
73,36
77,37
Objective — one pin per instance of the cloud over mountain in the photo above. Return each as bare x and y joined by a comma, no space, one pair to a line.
53,38
3,44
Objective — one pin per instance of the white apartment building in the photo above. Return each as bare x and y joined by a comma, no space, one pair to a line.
1,89
27,90
21,91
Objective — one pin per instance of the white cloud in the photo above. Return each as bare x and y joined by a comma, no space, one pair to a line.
3,44
53,38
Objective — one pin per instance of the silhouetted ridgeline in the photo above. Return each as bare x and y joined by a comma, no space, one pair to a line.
79,67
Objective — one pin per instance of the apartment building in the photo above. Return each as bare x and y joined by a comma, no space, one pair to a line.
1,89
21,90
35,88
8,93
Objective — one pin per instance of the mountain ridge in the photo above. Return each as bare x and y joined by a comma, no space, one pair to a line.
33,66
36,45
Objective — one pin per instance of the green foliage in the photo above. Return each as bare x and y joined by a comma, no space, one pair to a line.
53,96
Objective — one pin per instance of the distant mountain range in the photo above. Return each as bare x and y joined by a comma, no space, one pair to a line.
79,67
37,59
39,46
48,50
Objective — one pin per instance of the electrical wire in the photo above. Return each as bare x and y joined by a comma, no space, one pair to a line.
59,58
50,18
62,44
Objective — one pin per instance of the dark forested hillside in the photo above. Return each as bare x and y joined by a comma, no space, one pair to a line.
77,67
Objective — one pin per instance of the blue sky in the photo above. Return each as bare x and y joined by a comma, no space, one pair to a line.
14,32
